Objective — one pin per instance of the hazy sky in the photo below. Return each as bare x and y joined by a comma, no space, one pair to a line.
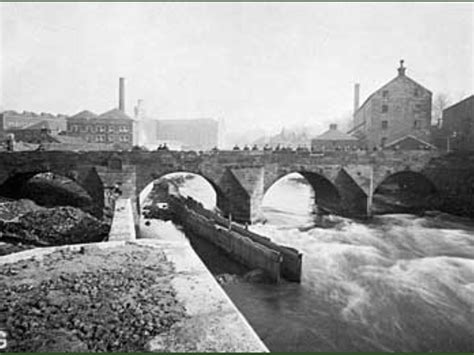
254,64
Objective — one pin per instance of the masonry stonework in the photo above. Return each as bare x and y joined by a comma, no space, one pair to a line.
399,108
344,182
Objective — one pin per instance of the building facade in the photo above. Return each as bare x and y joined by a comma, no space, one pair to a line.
399,108
113,127
458,125
12,120
334,140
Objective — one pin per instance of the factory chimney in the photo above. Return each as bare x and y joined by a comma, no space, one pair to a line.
122,94
356,96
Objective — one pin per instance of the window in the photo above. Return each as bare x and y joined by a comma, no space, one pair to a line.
385,93
417,124
101,128
100,138
383,142
111,138
123,129
384,124
75,128
111,129
417,92
384,108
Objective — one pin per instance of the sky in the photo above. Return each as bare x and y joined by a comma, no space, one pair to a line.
253,65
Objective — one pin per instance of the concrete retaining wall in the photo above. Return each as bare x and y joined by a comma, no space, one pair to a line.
291,259
214,317
240,248
123,222
213,323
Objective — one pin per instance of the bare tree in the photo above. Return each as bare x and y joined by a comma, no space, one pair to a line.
440,102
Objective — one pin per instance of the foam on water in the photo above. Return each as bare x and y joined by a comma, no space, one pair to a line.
397,283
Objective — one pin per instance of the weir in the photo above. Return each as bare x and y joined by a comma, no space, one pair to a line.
248,248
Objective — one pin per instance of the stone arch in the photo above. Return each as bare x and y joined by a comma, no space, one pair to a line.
85,192
404,191
157,177
326,194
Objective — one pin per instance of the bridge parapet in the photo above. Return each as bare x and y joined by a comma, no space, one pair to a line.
241,178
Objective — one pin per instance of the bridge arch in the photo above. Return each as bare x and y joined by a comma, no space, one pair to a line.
204,189
49,187
326,194
405,191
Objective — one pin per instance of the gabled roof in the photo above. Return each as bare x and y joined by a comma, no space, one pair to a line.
335,135
387,84
409,136
86,115
469,98
115,114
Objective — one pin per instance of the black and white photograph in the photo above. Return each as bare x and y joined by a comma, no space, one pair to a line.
236,177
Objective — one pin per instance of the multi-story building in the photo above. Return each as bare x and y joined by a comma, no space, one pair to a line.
458,125
113,127
334,140
400,108
12,120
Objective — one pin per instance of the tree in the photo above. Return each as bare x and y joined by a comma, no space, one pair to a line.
440,102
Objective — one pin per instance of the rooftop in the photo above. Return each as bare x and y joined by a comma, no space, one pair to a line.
86,115
333,134
115,114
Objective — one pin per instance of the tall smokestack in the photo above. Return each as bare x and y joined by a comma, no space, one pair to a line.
122,94
356,96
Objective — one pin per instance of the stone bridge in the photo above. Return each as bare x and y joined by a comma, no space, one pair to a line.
344,182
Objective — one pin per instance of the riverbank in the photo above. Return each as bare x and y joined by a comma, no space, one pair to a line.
147,295
216,324
26,225
89,299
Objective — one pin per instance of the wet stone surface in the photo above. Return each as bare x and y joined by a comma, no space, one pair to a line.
88,300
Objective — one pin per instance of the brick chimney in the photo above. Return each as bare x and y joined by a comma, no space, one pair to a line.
122,94
356,96
333,126
401,69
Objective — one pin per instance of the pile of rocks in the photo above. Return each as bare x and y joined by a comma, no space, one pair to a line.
55,226
115,303
11,210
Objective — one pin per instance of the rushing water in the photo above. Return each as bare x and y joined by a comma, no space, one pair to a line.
396,283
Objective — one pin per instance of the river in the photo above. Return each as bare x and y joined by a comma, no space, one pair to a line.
399,282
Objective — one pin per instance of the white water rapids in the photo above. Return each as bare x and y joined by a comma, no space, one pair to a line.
396,283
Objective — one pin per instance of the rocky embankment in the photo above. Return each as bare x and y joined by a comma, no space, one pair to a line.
89,300
24,225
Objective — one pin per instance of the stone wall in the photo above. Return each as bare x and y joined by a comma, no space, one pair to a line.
123,222
404,106
241,178
458,125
